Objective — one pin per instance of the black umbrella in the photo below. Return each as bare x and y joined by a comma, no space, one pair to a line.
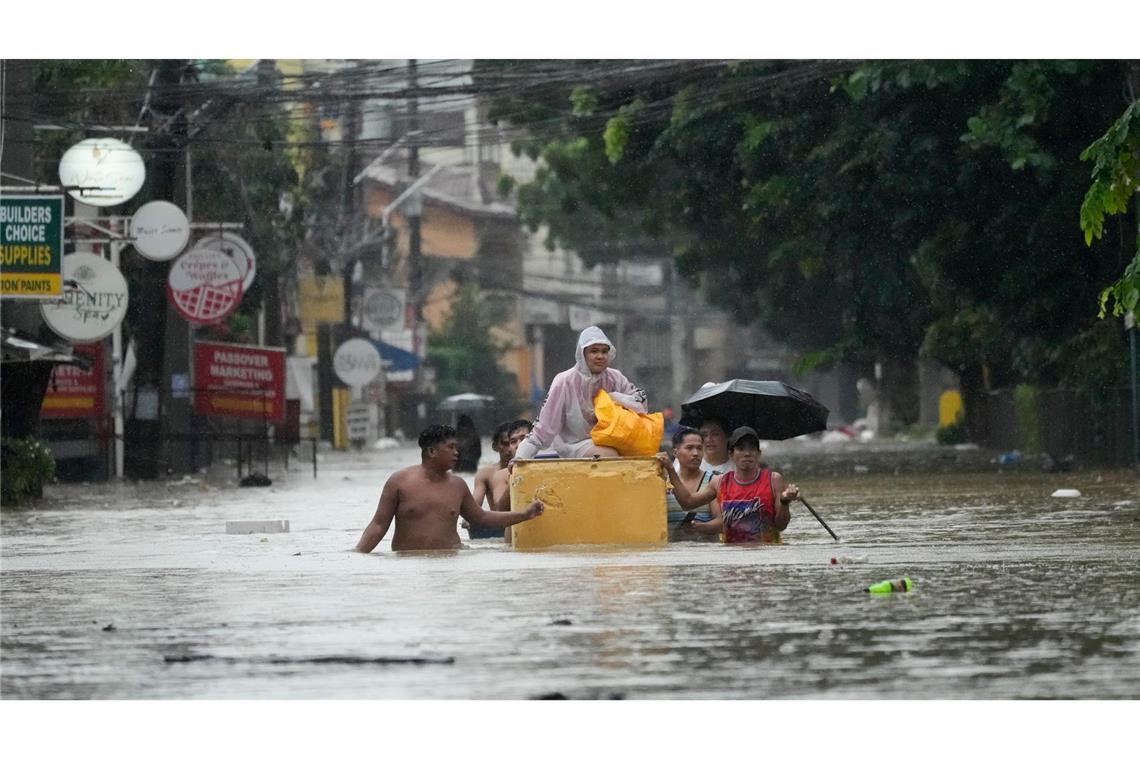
776,410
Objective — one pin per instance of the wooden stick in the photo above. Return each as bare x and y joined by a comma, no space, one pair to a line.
816,515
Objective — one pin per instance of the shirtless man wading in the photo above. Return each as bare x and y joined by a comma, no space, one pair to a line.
426,501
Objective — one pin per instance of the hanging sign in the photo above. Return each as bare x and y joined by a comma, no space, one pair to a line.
357,362
204,285
232,380
383,308
102,171
160,230
31,246
236,248
94,299
75,392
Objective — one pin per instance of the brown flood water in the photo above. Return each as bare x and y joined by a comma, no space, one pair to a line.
136,592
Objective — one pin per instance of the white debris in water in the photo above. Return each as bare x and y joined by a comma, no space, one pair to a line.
1066,493
245,527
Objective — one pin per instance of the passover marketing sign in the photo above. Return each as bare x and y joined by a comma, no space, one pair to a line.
239,381
31,246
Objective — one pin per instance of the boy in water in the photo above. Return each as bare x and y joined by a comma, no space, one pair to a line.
426,501
500,443
751,501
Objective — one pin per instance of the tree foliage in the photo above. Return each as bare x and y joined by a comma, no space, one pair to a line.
463,352
879,213
1116,180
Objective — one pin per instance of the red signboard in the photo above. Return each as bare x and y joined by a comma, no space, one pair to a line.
74,392
239,381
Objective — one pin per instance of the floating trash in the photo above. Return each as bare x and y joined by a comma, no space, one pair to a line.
1066,493
890,587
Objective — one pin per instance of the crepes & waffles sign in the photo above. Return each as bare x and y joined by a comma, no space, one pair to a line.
204,285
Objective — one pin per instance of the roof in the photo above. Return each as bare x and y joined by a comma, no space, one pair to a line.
457,186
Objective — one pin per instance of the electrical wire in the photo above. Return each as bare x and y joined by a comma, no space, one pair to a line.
534,80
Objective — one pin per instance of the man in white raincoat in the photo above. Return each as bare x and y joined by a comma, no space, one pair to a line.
568,413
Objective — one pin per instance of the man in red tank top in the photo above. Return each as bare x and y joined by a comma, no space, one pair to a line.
751,501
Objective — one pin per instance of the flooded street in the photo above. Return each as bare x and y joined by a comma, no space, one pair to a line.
137,592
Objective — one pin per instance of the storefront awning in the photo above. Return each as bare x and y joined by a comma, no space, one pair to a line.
18,348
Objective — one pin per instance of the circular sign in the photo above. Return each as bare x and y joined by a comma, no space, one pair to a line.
204,285
102,171
94,299
160,230
357,362
236,248
383,309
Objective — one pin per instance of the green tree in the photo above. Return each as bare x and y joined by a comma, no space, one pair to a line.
866,213
463,352
1116,180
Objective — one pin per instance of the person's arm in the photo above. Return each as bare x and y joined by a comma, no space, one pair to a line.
482,518
385,511
681,493
629,395
784,497
549,424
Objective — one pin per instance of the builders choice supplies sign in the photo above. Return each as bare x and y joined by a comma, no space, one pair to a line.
239,381
31,246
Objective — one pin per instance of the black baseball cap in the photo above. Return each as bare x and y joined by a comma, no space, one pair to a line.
741,433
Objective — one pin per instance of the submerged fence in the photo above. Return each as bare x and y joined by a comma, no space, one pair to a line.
1090,428
84,446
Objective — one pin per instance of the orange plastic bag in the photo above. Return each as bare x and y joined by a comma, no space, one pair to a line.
633,434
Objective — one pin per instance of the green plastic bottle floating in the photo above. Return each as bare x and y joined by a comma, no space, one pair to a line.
890,587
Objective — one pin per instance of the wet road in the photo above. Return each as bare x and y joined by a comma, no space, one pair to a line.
114,592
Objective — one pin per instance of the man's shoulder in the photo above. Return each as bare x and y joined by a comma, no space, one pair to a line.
487,471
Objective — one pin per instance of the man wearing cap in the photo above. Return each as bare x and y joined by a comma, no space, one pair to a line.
751,501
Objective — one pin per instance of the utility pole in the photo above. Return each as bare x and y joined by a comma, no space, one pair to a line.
161,338
415,265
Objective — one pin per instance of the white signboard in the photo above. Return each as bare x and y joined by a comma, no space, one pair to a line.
160,230
383,308
540,311
236,248
357,362
102,170
358,420
94,299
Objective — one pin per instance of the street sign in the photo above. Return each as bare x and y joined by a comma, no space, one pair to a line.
383,308
204,285
93,303
31,246
232,380
102,171
357,362
160,230
358,420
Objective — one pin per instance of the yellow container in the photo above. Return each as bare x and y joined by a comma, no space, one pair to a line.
588,501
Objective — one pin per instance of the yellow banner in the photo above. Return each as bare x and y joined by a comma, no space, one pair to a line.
31,285
68,402
319,299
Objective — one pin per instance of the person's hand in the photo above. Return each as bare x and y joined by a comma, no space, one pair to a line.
663,458
534,509
790,494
